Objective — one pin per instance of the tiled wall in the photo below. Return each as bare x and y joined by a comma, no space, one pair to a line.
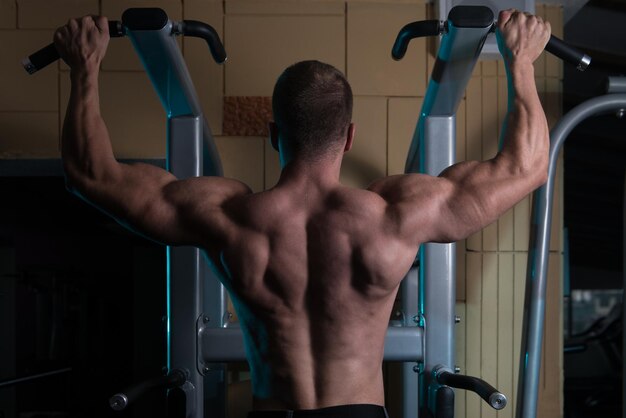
262,37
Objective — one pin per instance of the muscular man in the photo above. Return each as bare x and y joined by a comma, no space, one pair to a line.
312,266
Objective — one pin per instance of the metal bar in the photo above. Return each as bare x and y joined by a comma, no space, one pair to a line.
410,377
438,262
18,380
432,150
165,65
217,345
184,160
537,268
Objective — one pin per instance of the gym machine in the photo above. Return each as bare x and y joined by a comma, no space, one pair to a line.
201,338
432,150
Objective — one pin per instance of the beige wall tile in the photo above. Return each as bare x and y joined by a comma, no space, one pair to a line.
461,135
247,116
243,159
261,47
120,55
272,165
132,112
29,134
372,30
473,135
554,15
403,115
37,14
506,363
521,232
473,306
367,160
282,7
460,332
519,285
552,363
506,224
489,139
556,231
207,75
20,91
461,272
489,326
8,14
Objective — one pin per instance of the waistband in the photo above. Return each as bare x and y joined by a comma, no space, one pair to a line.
341,411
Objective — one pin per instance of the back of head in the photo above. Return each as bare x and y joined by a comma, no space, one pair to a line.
312,105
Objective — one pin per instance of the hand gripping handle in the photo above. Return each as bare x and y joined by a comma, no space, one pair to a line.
414,30
49,54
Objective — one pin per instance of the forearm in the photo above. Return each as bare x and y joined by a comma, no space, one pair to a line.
525,135
86,147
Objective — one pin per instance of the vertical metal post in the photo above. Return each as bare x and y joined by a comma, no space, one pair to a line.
433,150
217,316
438,261
410,382
184,160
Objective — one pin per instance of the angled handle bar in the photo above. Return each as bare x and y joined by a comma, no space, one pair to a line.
138,19
423,28
491,395
120,401
414,30
49,54
206,32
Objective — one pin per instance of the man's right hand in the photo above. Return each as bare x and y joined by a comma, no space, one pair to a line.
82,43
521,37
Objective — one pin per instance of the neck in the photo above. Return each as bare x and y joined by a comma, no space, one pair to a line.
323,172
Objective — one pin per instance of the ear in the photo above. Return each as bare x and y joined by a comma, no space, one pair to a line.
349,137
273,128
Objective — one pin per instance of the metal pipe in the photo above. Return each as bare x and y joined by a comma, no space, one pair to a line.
537,268
18,380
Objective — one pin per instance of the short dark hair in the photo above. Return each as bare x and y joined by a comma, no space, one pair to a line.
312,106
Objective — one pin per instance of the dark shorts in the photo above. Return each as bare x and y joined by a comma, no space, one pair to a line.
342,411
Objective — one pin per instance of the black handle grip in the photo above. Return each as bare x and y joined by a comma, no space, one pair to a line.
206,32
411,31
120,401
568,53
49,54
490,394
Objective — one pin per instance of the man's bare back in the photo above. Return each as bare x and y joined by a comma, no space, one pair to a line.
313,267
310,266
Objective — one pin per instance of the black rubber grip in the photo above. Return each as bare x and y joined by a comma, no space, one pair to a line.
568,53
411,31
444,402
483,389
120,401
206,32
471,16
49,54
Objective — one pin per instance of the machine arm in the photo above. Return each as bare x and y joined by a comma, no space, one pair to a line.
138,19
424,28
